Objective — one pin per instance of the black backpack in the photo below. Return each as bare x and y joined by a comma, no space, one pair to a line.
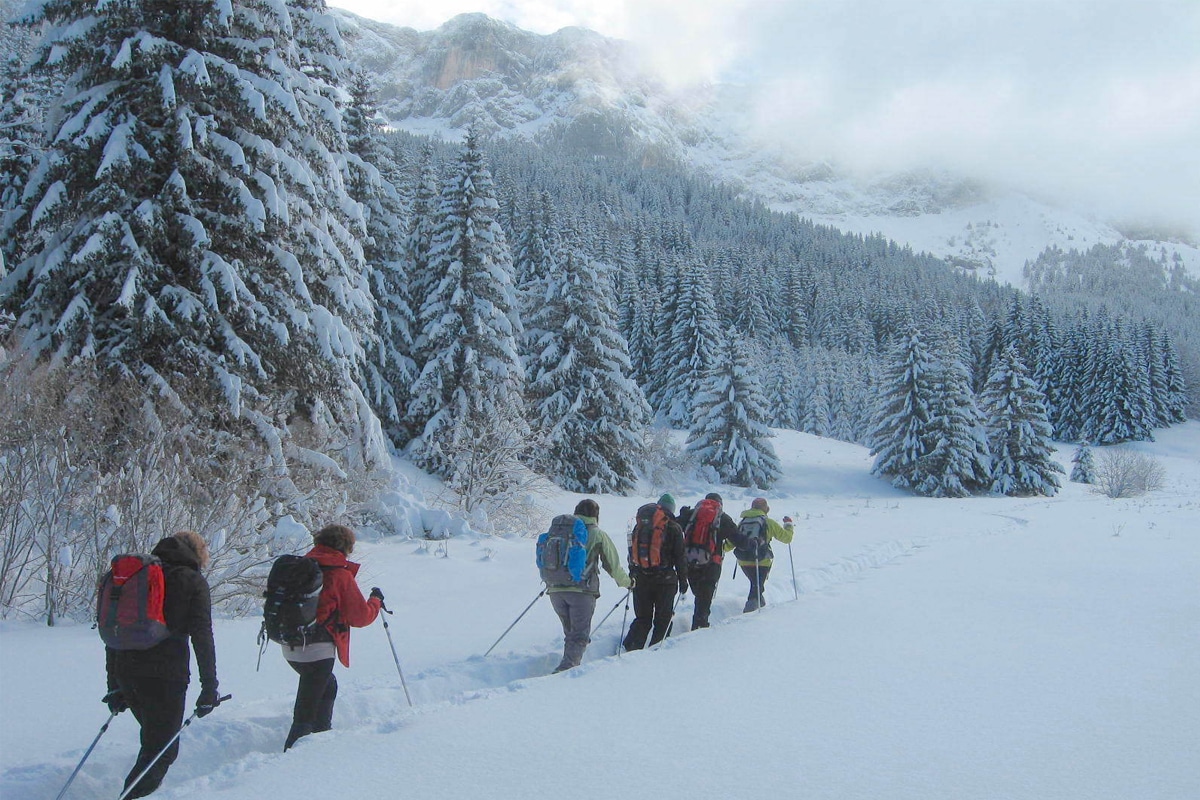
290,610
753,543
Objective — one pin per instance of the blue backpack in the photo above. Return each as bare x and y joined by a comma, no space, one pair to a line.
562,552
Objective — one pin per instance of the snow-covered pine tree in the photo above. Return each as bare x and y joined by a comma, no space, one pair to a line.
908,385
579,386
189,227
691,345
729,422
373,179
817,413
957,461
1083,469
1176,387
422,222
1018,431
472,382
537,256
1117,389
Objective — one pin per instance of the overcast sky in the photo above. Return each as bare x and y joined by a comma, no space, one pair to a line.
1096,100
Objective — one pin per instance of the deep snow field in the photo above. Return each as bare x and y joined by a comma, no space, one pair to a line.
1042,649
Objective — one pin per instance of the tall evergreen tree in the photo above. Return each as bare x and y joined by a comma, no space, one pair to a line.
580,391
373,178
690,347
908,385
472,383
1018,431
729,431
957,461
189,226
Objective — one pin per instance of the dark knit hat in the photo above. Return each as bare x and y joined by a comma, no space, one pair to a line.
760,503
714,496
667,502
587,508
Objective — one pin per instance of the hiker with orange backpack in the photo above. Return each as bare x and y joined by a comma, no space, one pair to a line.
659,570
706,528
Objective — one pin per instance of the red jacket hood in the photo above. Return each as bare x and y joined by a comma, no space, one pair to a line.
328,557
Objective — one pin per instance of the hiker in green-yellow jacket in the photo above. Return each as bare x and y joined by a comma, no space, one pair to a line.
752,547
575,604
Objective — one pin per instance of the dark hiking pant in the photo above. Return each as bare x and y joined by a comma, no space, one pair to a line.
315,695
575,610
653,607
702,580
757,574
157,704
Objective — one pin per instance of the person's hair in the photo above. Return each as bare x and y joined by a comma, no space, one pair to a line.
339,537
714,496
197,544
587,508
761,504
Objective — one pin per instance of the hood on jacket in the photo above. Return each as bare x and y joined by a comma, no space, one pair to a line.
329,557
176,551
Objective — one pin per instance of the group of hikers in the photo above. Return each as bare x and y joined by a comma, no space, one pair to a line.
153,610
668,554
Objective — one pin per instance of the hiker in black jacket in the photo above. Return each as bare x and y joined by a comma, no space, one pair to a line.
659,570
153,683
704,563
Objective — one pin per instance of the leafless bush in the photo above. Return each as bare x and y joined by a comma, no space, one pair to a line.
1127,473
665,460
493,485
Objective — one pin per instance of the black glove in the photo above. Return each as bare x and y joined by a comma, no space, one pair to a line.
206,702
115,701
376,592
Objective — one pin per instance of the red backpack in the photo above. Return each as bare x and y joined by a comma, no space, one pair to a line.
699,538
129,603
646,543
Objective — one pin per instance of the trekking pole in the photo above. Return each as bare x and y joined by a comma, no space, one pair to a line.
162,752
758,588
395,657
624,617
87,753
792,561
515,621
610,611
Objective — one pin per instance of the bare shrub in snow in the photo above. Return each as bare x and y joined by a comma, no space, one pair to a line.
1127,473
493,484
666,461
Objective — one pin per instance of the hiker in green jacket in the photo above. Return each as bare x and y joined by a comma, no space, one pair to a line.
752,547
575,604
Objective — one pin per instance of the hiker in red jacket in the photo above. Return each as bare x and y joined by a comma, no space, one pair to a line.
341,607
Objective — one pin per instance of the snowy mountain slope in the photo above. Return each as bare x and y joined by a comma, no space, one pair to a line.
599,92
1033,649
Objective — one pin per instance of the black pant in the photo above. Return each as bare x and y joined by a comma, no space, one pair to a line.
757,573
315,695
653,606
157,704
702,580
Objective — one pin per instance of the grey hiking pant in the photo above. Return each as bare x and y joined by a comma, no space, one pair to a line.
575,610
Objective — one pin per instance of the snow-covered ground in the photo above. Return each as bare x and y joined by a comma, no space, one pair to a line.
1038,648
